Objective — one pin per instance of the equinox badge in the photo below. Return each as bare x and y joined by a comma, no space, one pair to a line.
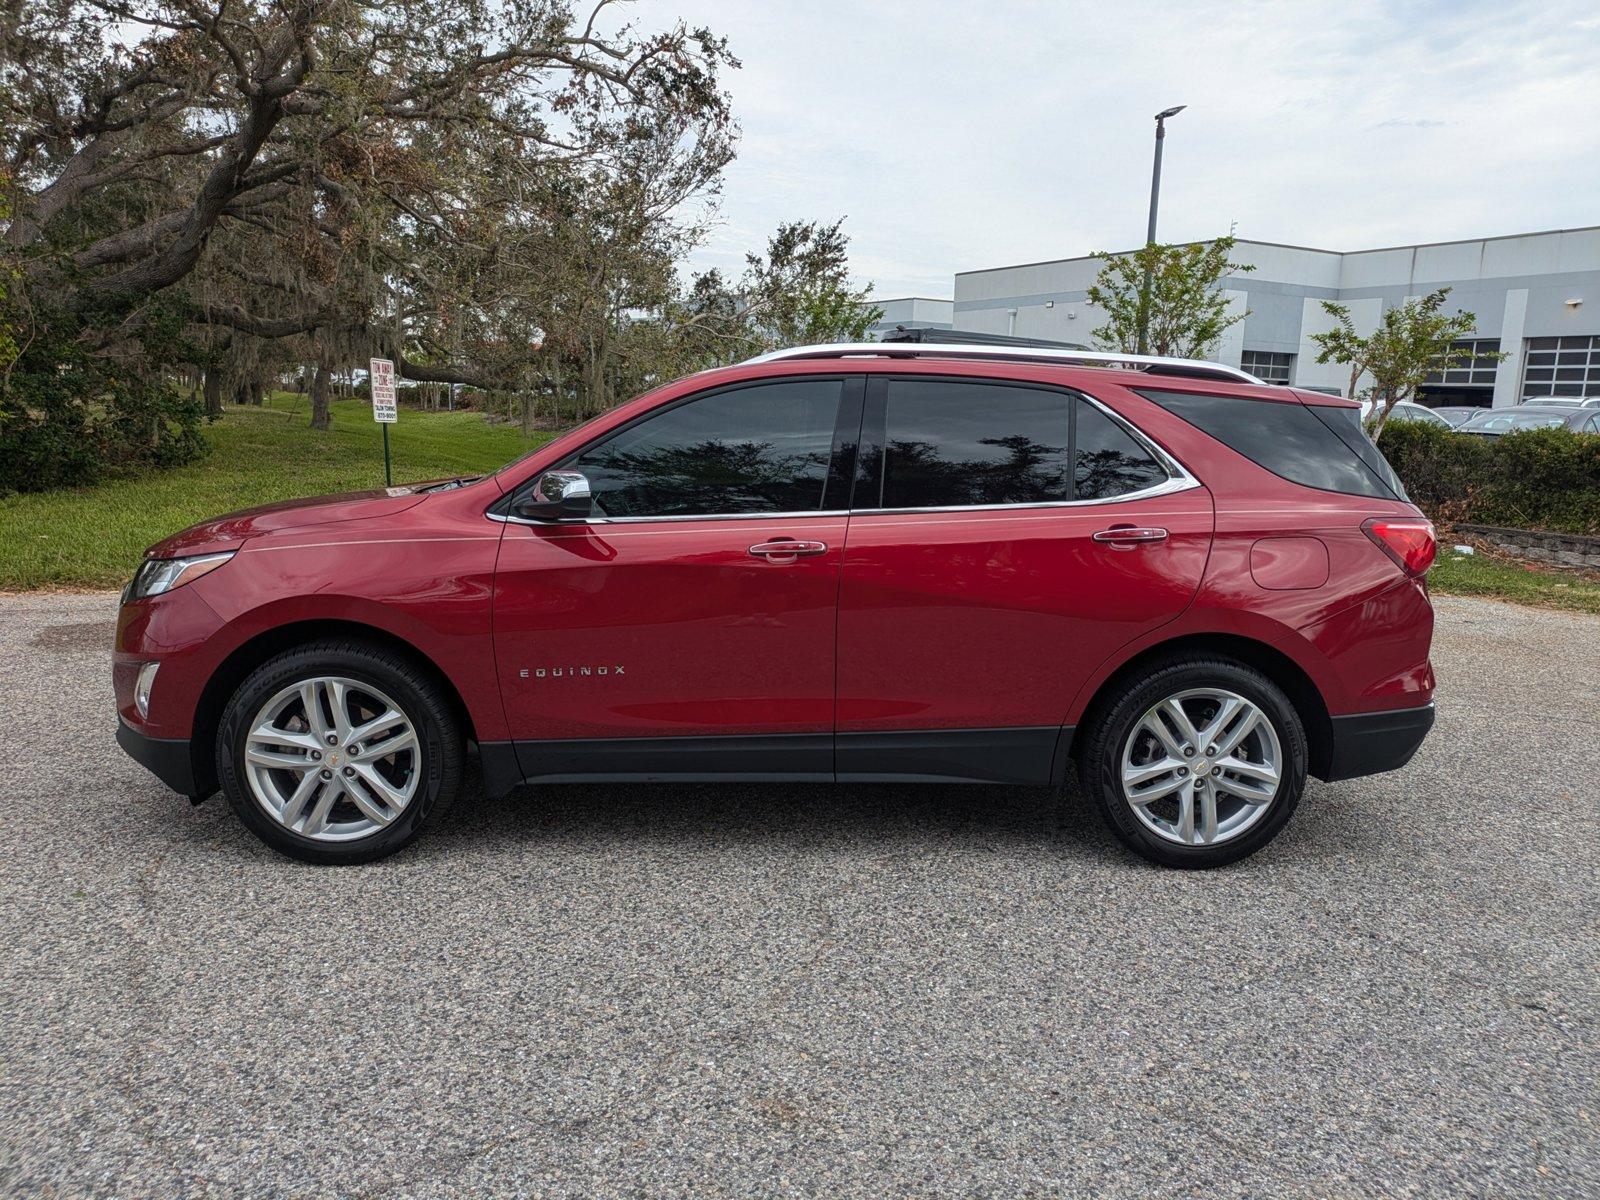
568,672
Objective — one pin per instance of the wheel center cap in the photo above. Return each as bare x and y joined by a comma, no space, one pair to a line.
1200,766
332,760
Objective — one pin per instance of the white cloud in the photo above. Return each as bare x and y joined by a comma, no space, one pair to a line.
962,135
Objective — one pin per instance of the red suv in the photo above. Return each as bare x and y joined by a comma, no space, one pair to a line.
916,563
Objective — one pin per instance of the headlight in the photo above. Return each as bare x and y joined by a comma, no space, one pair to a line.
157,575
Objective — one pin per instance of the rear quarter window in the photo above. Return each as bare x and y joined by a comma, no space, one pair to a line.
1312,445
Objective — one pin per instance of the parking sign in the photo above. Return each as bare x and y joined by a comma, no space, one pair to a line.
381,377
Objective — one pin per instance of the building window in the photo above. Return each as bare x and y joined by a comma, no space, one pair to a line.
1565,366
1268,366
1477,371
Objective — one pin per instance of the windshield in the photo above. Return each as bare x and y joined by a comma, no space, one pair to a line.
1498,422
1415,412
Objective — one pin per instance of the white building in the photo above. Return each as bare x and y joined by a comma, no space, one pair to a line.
915,312
1536,296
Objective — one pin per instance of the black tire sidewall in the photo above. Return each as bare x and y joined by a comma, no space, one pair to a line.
418,698
1101,759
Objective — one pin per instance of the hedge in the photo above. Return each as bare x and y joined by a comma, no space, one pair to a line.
1533,479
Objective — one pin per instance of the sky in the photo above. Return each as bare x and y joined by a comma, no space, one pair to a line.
955,136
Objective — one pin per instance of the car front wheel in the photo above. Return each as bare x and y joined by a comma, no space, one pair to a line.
338,752
1198,764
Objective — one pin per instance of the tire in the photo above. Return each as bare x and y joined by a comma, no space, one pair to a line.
346,809
1121,740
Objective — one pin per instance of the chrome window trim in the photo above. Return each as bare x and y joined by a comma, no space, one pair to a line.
1181,483
1178,480
507,519
1166,488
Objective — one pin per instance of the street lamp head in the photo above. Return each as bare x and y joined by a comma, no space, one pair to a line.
1171,112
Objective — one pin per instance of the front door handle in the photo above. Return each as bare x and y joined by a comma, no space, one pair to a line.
1126,537
783,551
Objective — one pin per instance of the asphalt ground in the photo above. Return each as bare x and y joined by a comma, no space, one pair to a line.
802,990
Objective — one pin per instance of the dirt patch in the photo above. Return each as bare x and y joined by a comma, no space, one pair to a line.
87,635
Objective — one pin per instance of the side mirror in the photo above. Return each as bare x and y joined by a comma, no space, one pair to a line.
557,496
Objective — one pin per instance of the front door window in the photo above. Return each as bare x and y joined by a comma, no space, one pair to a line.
758,449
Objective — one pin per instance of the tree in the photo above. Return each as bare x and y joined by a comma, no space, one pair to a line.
798,293
176,172
1412,341
1187,311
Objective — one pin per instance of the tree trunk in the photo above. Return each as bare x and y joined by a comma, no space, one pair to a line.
213,392
320,396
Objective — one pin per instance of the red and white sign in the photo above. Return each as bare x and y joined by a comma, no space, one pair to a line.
384,409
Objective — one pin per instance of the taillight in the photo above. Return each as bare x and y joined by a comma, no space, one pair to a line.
1407,540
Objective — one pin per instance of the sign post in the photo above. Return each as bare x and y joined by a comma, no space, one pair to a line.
385,411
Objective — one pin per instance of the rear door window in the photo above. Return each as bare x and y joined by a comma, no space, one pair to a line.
1109,462
1315,445
961,444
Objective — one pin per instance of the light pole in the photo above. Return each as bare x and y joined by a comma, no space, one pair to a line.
1150,232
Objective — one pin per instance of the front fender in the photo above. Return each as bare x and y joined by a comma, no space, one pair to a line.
435,598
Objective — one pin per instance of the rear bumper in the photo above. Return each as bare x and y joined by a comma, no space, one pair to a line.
1368,743
168,759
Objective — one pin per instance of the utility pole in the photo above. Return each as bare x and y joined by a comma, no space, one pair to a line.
1150,232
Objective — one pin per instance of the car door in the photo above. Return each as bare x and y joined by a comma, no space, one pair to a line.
687,628
1004,540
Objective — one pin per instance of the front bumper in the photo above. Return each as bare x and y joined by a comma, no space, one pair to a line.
1368,743
166,758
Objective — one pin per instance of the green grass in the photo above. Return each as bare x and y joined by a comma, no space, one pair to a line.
92,537
1501,579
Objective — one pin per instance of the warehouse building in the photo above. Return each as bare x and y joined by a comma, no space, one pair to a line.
1536,297
909,312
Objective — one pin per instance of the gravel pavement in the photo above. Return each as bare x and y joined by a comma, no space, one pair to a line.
799,990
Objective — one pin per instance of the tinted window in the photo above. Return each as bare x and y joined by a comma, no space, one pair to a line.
964,443
1314,445
949,443
1109,462
763,448
1347,423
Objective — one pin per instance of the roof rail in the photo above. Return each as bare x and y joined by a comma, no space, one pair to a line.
1151,364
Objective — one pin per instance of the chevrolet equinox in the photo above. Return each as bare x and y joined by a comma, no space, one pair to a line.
916,563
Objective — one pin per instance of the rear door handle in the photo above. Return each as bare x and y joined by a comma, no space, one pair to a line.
1126,537
786,550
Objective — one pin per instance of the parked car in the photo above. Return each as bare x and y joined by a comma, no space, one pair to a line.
858,562
1564,401
1455,415
1493,422
1407,411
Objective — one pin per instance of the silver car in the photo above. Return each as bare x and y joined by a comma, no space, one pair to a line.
1493,422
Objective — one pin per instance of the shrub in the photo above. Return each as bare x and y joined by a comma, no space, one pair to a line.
69,415
1533,479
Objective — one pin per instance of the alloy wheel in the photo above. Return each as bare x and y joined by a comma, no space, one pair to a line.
1201,767
332,759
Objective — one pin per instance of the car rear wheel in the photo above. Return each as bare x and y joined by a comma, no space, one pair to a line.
1198,764
338,752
